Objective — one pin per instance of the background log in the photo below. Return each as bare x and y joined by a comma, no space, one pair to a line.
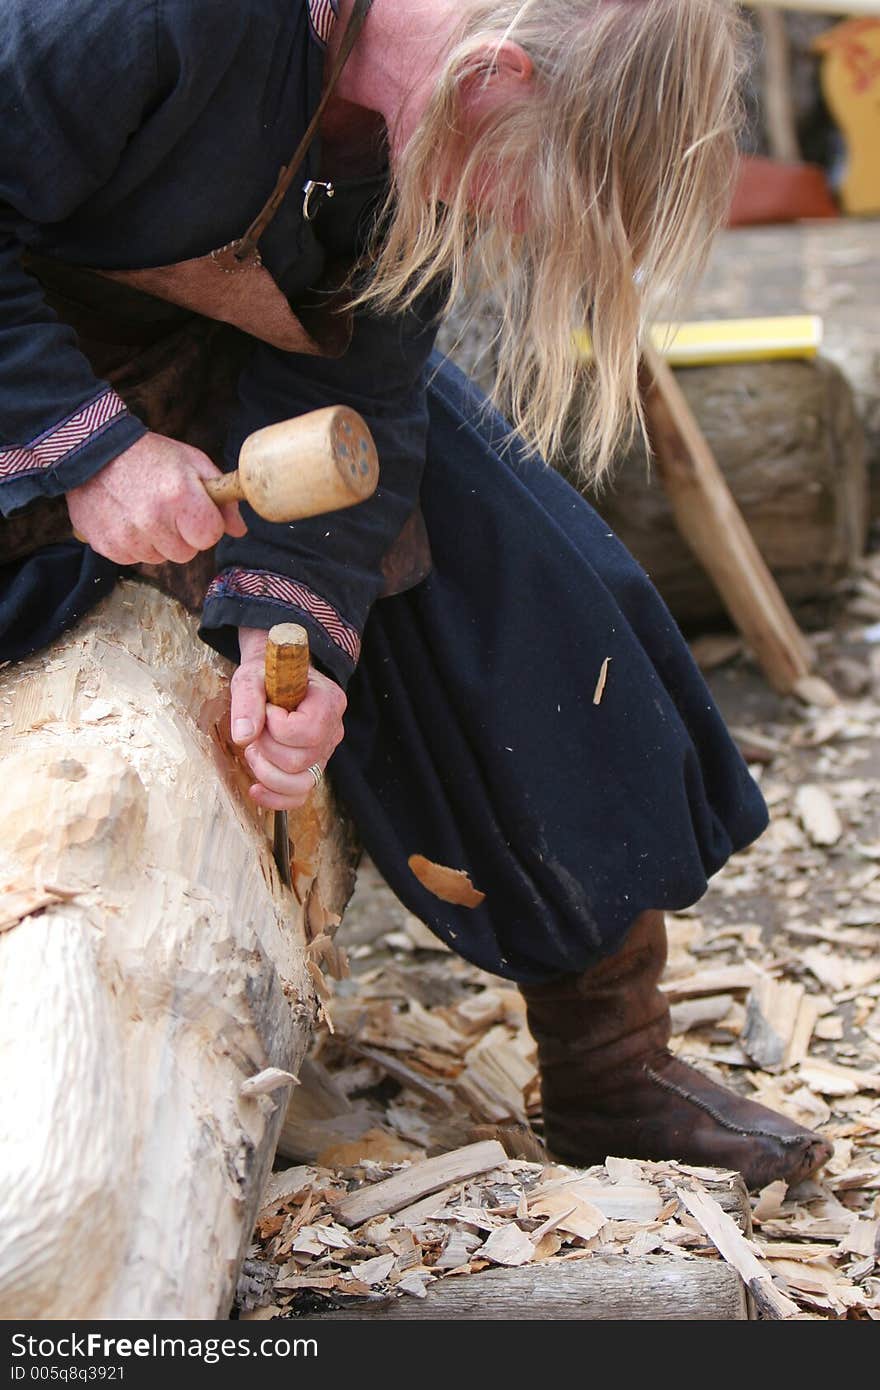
824,268
798,442
789,444
599,1288
150,962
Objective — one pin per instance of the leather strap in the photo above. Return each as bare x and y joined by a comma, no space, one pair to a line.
245,248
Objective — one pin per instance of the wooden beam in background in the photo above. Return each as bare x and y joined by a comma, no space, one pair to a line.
712,525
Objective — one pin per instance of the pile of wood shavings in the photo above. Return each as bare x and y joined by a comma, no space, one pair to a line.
313,1241
400,1081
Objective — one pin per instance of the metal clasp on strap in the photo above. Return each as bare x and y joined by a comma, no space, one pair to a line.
314,193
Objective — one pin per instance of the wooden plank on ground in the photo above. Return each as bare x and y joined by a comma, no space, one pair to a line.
738,1252
712,525
420,1180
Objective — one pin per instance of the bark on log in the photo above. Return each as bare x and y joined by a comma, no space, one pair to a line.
150,963
602,1288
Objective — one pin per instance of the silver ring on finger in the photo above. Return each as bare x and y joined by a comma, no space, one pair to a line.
317,773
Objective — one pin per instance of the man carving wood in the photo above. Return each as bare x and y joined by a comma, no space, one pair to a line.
163,294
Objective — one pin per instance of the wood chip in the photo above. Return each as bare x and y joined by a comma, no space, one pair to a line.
617,1202
770,1199
823,1285
385,1198
813,690
494,1081
267,1081
324,1283
601,682
419,1027
477,1012
644,1243
399,1071
736,1250
308,1242
271,1310
715,649
837,972
831,1079
720,980
862,1238
375,1271
460,1245
378,1145
280,1186
418,1213
625,1170
323,953
450,885
818,815
421,937
548,1246
508,1246
697,1013
780,1017
414,1285
571,1212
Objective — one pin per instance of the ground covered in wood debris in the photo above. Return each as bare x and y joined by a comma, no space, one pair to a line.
774,981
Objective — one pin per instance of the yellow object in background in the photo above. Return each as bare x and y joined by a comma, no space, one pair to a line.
731,340
851,87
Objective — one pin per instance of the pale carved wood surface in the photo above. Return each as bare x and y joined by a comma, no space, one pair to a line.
150,963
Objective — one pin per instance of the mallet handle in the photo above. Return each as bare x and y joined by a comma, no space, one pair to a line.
228,488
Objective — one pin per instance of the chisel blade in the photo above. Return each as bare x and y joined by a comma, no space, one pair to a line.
281,847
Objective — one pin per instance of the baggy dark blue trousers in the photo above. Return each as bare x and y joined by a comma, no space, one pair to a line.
473,735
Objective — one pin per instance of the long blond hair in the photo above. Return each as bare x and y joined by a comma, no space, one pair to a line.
623,151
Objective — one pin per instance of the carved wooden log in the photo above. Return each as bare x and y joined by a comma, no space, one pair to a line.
150,964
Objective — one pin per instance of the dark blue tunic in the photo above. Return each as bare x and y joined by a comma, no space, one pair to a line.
143,132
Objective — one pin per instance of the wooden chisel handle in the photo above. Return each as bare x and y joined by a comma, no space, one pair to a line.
287,665
287,680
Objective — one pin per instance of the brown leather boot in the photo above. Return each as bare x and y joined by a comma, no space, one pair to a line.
609,1085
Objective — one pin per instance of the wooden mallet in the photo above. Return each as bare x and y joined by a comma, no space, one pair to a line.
315,463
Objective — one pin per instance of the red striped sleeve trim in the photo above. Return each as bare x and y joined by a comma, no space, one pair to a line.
64,439
322,14
276,588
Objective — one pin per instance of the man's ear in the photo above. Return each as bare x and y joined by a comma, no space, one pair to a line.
506,64
511,62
